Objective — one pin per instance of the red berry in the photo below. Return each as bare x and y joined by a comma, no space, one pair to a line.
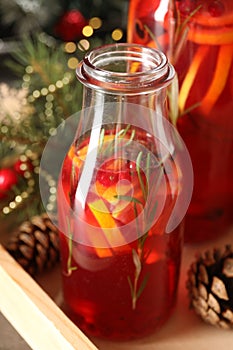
216,8
187,6
112,171
8,179
70,25
125,175
22,166
107,177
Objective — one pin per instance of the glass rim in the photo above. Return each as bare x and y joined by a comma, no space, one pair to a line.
157,71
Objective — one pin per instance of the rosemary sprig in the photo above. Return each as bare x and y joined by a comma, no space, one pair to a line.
73,182
131,137
173,96
138,255
151,214
70,268
123,132
128,199
138,161
148,160
101,139
181,33
153,37
181,27
116,140
135,291
179,37
189,109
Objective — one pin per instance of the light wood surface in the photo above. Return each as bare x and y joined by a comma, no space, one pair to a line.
183,331
33,313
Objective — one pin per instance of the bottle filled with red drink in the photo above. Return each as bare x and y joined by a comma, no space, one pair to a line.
197,36
122,195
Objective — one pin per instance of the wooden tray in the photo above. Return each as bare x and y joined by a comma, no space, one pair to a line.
32,307
33,313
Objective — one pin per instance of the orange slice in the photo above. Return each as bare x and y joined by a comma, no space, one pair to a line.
96,241
220,77
112,193
211,37
76,160
106,222
153,257
101,213
191,75
214,21
99,188
125,213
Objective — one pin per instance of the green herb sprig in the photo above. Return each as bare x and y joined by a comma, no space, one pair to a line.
70,268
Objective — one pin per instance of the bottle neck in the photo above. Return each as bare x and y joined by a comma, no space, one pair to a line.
125,72
125,69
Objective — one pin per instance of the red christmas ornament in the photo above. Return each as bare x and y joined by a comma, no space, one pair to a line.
8,179
70,25
23,165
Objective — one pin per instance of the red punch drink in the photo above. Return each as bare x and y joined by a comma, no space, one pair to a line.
198,37
122,195
127,290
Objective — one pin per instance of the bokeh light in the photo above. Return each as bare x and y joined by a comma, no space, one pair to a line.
70,47
83,45
117,34
95,22
72,63
87,31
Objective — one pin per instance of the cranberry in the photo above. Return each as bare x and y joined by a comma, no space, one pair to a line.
216,8
187,6
107,178
109,175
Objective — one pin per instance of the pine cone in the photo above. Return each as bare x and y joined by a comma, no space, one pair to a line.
35,246
210,287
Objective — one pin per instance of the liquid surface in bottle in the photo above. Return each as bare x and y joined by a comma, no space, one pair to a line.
127,287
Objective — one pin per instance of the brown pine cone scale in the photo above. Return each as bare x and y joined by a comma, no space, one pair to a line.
35,245
210,287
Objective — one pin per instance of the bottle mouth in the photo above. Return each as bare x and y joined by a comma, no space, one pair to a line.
125,68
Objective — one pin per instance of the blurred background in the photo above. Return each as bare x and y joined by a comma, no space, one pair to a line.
41,43
63,20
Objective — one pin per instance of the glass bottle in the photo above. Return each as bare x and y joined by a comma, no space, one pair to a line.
121,196
197,35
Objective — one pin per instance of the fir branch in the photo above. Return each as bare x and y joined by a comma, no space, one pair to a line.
48,65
